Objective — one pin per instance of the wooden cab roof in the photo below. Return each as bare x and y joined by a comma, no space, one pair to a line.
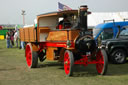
58,13
51,19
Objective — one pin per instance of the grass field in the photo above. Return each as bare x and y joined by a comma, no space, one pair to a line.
14,71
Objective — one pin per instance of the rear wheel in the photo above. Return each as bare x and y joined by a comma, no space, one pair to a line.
118,56
102,62
68,63
31,56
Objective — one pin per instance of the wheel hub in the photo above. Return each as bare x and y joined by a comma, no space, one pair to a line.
66,62
119,57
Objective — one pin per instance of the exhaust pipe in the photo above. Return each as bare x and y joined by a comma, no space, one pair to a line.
83,18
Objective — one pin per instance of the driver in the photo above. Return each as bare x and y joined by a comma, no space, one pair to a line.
65,23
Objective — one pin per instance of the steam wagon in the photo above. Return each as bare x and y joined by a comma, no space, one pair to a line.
72,44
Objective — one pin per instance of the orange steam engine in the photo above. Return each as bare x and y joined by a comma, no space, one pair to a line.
72,45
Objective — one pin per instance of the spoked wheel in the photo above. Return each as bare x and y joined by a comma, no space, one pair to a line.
31,56
102,62
68,63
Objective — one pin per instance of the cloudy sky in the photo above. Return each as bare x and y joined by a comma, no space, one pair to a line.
10,10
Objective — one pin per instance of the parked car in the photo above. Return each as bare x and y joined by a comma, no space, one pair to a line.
117,49
107,30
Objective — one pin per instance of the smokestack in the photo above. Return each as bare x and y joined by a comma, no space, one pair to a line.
83,17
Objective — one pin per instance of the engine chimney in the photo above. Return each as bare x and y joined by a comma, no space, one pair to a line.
83,18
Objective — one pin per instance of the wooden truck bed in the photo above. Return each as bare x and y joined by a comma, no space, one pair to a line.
29,34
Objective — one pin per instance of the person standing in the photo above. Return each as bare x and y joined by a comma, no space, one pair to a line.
16,38
12,37
8,37
22,44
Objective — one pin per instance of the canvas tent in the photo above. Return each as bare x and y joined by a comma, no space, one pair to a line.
98,17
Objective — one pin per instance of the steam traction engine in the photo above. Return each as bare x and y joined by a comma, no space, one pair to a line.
72,46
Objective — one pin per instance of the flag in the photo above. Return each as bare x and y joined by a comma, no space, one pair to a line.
62,7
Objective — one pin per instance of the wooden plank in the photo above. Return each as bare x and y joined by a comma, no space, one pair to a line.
21,33
32,34
26,34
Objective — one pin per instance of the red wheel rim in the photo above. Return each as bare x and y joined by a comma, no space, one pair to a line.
100,62
28,55
67,63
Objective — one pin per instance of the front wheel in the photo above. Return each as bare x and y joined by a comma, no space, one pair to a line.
31,56
68,63
102,62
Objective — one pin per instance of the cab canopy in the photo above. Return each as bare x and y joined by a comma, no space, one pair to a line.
58,13
51,19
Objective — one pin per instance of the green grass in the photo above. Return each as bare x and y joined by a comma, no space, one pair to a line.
14,71
9,28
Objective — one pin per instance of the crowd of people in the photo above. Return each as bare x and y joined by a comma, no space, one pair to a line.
12,40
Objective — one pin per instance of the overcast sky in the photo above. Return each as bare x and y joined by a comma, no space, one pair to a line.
10,10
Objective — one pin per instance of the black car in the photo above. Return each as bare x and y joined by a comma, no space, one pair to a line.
117,49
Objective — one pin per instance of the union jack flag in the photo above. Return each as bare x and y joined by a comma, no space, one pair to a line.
62,7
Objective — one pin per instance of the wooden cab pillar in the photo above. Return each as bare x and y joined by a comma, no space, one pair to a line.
50,53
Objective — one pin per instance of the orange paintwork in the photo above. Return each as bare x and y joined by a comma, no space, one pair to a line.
35,47
57,36
50,53
62,35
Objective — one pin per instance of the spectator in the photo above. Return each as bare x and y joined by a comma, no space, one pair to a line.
8,40
22,44
12,37
16,38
